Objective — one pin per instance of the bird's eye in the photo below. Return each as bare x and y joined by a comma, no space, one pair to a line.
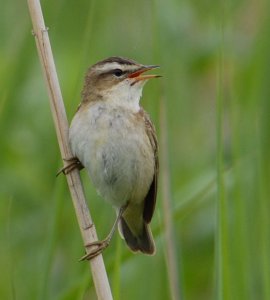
117,72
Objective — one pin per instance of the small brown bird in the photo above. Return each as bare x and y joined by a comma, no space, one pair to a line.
113,138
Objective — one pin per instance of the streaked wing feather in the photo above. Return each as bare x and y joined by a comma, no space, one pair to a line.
150,199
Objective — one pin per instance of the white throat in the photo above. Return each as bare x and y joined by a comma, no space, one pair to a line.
126,95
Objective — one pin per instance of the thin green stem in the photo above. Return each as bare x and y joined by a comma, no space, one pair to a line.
222,271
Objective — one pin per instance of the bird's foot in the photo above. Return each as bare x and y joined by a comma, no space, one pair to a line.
73,163
99,247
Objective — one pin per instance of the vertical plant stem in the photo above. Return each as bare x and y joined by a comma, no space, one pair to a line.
222,234
61,125
167,212
263,135
170,246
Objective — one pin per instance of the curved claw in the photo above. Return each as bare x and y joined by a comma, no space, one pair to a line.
74,163
101,245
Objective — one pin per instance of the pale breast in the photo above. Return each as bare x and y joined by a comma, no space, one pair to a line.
113,146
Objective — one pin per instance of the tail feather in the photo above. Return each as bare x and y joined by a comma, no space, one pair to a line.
141,242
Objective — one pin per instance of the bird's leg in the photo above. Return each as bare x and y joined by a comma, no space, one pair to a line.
73,163
102,245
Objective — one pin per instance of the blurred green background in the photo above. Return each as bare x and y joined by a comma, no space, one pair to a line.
212,112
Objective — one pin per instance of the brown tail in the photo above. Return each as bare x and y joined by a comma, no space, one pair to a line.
140,242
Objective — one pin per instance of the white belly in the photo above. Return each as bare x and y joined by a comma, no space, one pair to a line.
117,154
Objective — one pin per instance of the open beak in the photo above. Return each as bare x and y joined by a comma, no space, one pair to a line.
137,75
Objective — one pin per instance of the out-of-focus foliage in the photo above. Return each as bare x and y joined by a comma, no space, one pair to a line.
214,58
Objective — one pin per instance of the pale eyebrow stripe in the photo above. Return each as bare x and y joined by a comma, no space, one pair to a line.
108,66
114,65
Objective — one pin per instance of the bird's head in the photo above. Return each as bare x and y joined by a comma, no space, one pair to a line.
117,80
